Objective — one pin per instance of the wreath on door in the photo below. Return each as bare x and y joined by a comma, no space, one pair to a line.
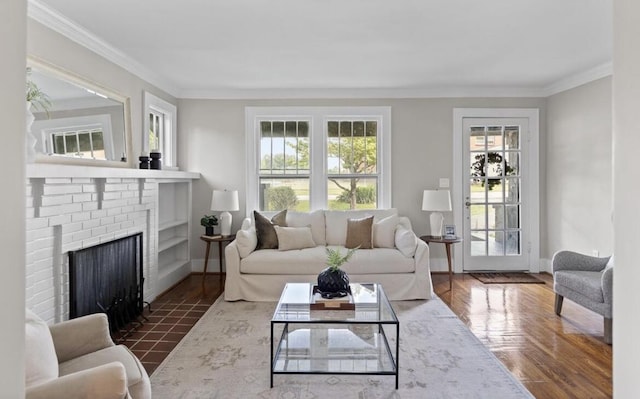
493,159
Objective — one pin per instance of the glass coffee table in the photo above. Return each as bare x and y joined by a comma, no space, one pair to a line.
352,340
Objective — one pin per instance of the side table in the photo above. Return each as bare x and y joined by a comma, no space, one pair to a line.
220,240
447,242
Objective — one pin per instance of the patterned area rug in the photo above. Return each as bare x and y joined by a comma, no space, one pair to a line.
226,356
507,278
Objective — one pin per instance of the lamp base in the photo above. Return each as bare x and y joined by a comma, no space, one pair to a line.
436,220
225,224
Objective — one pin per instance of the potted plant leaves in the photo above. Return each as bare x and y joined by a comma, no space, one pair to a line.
208,221
333,282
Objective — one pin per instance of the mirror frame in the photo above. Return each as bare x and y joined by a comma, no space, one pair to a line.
75,78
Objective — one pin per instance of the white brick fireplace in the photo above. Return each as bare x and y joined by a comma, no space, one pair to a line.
71,208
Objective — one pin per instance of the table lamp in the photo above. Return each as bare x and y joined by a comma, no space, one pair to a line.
225,201
436,202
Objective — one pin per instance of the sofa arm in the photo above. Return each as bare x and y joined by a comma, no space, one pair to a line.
80,336
607,285
108,381
422,265
569,260
232,264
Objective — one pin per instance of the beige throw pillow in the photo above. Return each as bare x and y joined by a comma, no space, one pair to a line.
41,361
294,238
246,240
384,232
266,234
406,241
359,233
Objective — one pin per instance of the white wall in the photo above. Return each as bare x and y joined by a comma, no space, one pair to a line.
626,143
13,14
211,141
578,154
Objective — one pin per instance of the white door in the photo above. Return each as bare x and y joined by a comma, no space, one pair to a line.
496,185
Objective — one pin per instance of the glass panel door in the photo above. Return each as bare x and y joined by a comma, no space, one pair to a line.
495,230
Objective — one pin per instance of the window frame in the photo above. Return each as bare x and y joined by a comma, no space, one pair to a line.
168,142
318,118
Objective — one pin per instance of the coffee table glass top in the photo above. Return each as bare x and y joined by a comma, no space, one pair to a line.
371,306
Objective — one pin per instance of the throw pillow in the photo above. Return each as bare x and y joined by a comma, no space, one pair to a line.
384,232
406,241
359,233
266,234
247,240
294,238
41,361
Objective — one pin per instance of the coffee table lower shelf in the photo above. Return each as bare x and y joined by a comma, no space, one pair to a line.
334,348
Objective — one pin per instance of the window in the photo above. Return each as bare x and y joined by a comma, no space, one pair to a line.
160,125
308,158
87,143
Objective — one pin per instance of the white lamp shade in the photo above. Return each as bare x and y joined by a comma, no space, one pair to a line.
436,201
225,200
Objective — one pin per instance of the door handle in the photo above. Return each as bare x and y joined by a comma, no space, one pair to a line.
467,204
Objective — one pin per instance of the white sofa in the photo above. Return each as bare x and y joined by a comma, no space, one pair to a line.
399,260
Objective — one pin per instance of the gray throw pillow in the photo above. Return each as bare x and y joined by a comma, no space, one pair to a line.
267,237
359,232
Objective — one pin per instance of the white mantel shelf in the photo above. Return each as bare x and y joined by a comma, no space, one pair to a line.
42,170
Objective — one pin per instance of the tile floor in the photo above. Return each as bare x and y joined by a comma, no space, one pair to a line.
171,318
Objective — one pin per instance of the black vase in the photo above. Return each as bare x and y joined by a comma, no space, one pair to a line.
333,283
208,230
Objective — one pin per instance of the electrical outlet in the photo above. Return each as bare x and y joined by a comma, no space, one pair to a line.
595,252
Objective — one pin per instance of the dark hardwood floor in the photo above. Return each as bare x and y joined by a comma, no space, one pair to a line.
554,357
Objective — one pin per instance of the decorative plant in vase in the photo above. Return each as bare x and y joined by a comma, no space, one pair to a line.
208,221
333,282
40,101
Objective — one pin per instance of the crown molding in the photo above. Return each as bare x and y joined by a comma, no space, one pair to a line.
40,12
449,92
579,79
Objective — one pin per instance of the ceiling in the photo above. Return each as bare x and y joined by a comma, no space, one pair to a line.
317,48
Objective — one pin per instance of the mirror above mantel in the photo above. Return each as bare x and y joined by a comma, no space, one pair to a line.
86,123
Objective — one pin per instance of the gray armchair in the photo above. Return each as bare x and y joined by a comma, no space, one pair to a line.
78,359
586,280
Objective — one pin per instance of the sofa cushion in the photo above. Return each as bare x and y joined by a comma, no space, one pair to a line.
406,241
311,261
359,233
313,219
586,283
137,378
384,232
294,238
246,240
266,234
41,362
336,222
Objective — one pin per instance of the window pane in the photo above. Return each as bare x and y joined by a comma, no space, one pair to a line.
512,137
98,145
494,190
284,148
58,144
478,243
512,163
478,216
72,143
281,193
477,139
303,129
513,246
513,216
84,138
496,216
512,191
352,147
353,193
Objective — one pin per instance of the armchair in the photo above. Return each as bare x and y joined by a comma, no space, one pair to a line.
586,280
78,359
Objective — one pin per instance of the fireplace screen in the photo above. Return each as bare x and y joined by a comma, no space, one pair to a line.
107,278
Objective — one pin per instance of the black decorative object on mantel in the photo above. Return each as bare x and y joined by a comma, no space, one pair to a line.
156,163
333,282
144,161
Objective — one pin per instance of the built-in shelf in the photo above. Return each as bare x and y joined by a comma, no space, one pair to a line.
172,223
173,231
44,170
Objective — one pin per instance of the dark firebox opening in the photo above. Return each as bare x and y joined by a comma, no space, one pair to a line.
107,278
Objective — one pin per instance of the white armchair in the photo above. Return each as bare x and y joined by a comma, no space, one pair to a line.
78,359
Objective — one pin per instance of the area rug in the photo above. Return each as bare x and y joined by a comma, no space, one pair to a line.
507,278
226,356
